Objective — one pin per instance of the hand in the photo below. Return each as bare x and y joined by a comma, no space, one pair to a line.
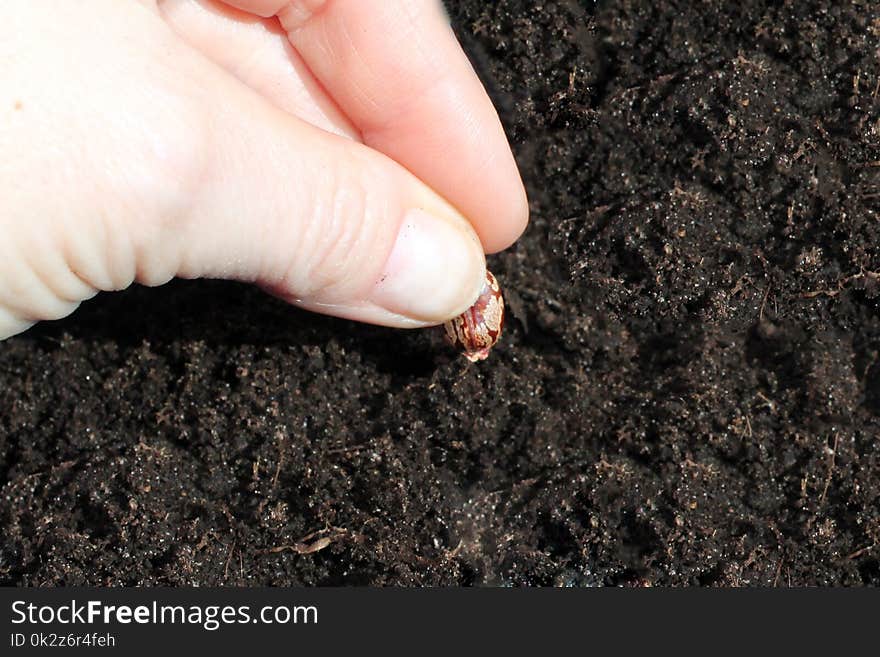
326,150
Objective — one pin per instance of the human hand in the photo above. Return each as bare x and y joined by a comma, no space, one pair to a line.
326,150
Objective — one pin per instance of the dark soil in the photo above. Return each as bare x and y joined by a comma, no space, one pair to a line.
688,391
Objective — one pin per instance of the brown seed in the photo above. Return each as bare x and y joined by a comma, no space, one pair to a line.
478,328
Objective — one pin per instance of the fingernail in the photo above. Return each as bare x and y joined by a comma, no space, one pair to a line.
435,271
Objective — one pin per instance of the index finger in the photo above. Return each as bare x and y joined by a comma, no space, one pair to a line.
397,71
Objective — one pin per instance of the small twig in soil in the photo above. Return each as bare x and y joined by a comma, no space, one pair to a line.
282,449
778,572
843,282
769,403
861,551
277,471
764,302
228,559
310,543
831,460
817,293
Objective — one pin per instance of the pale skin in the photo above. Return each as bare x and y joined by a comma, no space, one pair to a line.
341,154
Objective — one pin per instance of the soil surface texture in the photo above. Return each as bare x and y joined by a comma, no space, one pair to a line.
687,392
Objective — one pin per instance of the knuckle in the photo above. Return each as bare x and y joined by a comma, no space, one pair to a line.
165,161
332,258
345,234
11,324
37,287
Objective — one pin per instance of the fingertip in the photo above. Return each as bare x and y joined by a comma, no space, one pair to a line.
399,74
508,222
434,271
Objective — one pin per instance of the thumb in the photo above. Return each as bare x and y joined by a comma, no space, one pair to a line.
321,221
326,223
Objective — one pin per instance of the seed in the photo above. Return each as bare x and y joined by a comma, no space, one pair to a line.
478,328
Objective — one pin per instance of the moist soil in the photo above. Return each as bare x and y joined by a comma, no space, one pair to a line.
687,393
